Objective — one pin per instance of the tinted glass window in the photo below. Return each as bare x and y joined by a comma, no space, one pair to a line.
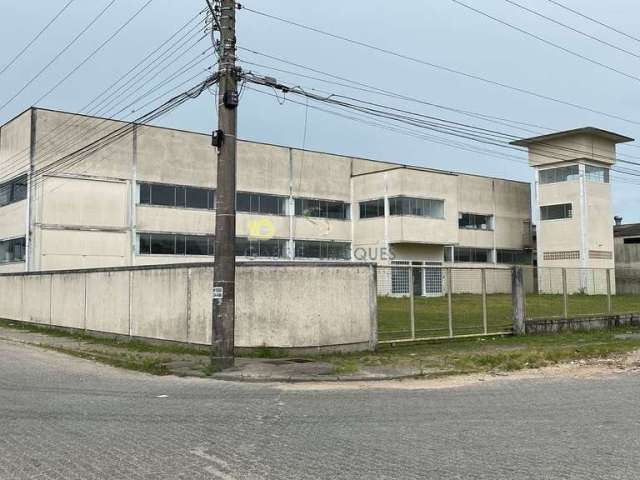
176,196
243,202
556,212
196,245
13,191
422,207
163,195
372,208
12,250
145,193
163,244
322,250
197,198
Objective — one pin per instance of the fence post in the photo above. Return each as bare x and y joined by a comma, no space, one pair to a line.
517,295
609,290
449,300
565,298
483,274
412,304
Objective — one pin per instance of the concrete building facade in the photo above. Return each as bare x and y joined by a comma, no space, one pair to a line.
573,193
148,198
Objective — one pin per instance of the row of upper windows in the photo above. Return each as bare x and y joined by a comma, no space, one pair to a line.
13,191
572,172
183,244
12,250
256,203
246,202
486,255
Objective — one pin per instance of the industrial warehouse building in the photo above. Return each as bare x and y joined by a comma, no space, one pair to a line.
148,198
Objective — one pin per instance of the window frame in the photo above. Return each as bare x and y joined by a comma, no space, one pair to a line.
568,212
8,246
557,178
421,207
323,208
324,248
180,195
10,188
255,201
379,206
179,244
489,221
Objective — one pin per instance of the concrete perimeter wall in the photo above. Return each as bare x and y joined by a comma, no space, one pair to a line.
281,305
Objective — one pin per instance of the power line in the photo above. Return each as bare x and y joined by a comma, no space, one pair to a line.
376,90
417,134
442,67
93,53
470,132
35,39
548,42
59,54
573,29
61,129
602,24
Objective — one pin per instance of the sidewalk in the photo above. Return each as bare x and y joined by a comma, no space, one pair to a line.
183,361
617,349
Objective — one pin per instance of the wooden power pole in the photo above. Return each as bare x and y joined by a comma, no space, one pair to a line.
225,138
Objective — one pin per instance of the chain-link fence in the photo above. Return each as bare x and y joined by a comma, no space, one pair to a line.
433,301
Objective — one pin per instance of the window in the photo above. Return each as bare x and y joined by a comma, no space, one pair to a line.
596,174
175,244
632,240
323,250
556,212
513,257
560,174
12,250
372,208
13,191
177,196
259,203
321,209
422,207
273,247
475,222
470,254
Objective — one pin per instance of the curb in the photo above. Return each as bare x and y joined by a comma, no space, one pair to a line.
316,379
248,379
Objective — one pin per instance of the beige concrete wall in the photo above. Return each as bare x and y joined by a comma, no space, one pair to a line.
84,202
179,220
15,142
278,305
62,249
60,134
512,213
263,168
175,157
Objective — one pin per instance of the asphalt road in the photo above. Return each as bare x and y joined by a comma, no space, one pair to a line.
67,418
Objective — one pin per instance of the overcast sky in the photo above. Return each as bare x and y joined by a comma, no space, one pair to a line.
437,31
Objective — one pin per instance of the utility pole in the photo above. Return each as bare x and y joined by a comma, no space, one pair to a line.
225,138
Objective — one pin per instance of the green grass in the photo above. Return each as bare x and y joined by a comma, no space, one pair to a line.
473,355
432,318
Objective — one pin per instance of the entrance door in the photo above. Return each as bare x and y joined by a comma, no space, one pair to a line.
418,278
